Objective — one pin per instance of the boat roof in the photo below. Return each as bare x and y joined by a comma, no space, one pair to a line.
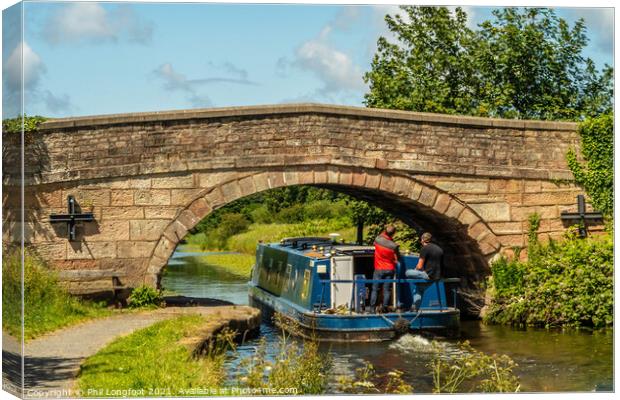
320,247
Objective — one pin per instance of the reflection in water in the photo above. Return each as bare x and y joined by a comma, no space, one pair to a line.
548,360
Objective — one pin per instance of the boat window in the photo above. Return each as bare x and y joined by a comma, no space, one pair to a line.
364,265
306,285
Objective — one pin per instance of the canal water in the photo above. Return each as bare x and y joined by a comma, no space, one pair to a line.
548,360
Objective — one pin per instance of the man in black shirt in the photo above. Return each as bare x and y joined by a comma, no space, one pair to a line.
429,267
430,262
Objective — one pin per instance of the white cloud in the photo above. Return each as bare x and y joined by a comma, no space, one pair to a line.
31,70
175,81
334,68
77,22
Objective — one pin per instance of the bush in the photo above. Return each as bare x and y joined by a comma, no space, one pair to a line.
47,304
232,224
292,214
568,283
472,371
261,215
145,296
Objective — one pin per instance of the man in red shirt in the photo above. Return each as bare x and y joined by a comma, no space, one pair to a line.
386,257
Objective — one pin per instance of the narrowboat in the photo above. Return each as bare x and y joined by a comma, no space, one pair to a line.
323,287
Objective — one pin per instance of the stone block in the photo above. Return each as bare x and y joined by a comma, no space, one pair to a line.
386,184
183,197
94,197
442,203
320,175
147,229
160,212
155,197
550,198
173,182
121,197
427,197
415,190
468,217
247,186
134,249
214,198
90,250
401,186
164,248
306,177
291,178
131,183
512,240
106,230
188,219
175,231
506,228
261,182
506,186
110,213
492,212
275,179
454,209
346,177
459,186
211,179
200,208
231,191
477,231
373,179
523,213
359,179
532,187
52,250
333,175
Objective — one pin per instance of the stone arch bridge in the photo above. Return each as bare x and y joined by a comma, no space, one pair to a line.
150,177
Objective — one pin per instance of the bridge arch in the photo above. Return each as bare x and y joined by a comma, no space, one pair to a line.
465,236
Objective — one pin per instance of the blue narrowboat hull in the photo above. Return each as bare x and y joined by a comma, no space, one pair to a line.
355,327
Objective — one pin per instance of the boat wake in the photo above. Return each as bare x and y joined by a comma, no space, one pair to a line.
413,343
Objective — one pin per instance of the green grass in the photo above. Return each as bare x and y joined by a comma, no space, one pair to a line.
236,264
246,242
47,306
149,359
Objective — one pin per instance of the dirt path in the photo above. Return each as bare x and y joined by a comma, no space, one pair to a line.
52,361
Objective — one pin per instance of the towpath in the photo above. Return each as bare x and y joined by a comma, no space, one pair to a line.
52,361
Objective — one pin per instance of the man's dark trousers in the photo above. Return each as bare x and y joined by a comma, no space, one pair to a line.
387,288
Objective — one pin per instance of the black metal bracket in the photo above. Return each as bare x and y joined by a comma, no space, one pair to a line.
72,217
581,217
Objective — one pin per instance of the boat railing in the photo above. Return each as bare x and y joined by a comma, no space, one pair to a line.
394,281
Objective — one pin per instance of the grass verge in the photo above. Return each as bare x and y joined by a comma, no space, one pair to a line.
47,306
236,264
151,362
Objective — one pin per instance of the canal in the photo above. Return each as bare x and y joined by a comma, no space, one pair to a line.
548,360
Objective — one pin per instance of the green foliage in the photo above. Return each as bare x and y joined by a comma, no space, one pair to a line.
522,63
30,124
472,371
596,175
301,367
152,359
145,296
568,283
47,305
367,381
507,277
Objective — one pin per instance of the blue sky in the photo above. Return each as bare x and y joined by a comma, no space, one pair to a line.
100,58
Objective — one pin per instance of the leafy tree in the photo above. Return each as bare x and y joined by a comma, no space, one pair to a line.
523,63
596,175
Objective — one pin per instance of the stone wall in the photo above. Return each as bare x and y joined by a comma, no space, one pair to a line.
150,177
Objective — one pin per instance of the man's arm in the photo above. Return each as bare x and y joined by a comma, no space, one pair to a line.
420,264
